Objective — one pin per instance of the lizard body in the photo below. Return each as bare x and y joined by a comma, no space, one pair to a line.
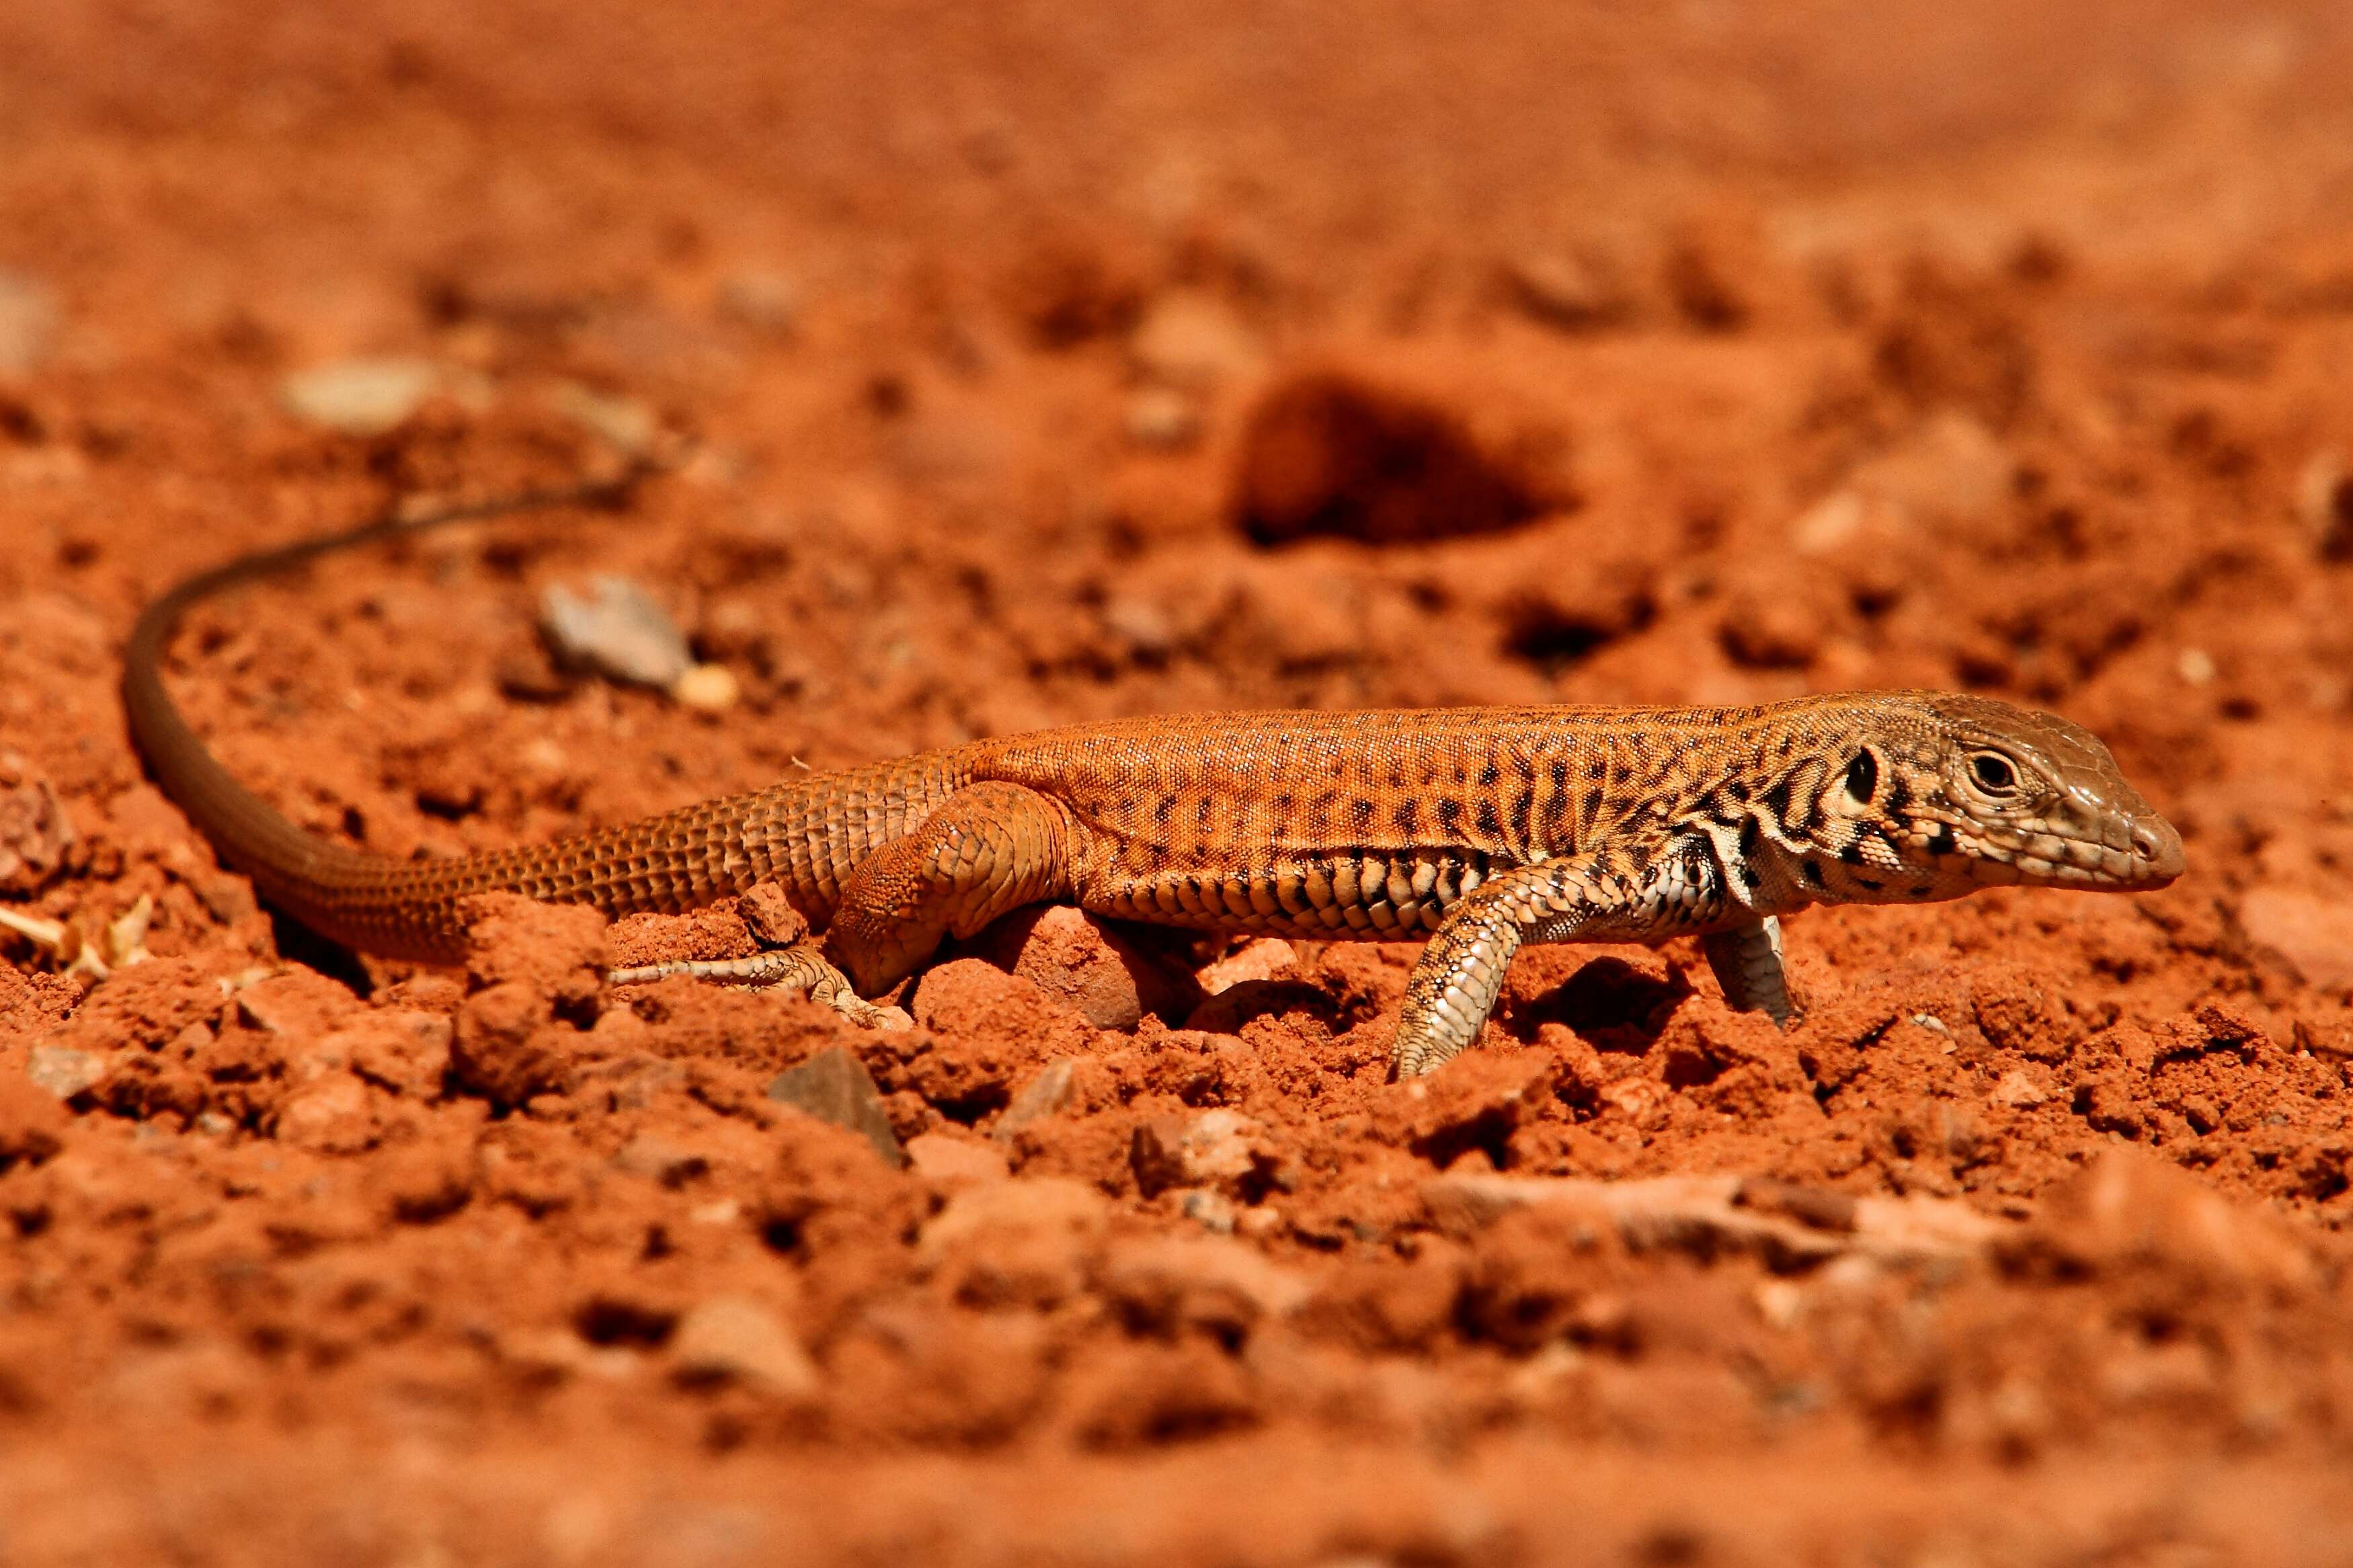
1476,828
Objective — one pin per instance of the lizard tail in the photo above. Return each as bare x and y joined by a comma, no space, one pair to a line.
809,834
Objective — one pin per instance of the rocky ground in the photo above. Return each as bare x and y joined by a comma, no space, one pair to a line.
1048,363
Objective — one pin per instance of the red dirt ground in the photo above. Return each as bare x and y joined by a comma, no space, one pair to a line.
1049,361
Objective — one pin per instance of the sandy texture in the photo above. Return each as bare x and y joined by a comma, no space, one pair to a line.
1054,362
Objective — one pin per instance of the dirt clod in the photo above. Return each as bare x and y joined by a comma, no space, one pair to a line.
741,1338
34,834
508,1044
1010,365
1217,1148
1087,965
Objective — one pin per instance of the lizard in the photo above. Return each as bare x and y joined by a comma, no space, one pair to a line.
1473,830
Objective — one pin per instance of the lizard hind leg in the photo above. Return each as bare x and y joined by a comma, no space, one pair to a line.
989,849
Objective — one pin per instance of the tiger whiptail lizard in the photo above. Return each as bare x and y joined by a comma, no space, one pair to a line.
1475,828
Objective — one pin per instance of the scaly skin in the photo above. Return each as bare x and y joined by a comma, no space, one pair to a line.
1478,829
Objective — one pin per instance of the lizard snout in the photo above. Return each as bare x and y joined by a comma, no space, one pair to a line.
2157,851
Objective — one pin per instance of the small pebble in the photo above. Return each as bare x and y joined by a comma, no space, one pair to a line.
707,688
1143,624
954,1162
2323,502
330,1116
28,323
620,633
1191,338
1781,1302
657,1158
1564,291
360,396
1828,523
1261,958
1163,417
1086,966
2312,930
1212,1210
629,424
63,1070
1218,1149
767,302
34,834
2017,1090
1049,1093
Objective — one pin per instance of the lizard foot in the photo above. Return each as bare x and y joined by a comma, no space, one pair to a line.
800,967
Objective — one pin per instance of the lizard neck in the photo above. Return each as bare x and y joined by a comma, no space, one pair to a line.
1820,804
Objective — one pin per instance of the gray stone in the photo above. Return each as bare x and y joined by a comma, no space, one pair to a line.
1047,1094
834,1086
616,630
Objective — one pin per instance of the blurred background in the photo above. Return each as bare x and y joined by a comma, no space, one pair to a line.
1249,353
1041,362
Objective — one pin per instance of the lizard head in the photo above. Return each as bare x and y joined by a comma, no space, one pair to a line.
2043,798
1937,795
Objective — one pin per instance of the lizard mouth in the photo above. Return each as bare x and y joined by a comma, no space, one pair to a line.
2129,856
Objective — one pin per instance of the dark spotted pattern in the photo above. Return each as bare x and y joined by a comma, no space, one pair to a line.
1484,827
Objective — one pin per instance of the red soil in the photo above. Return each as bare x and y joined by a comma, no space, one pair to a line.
1057,363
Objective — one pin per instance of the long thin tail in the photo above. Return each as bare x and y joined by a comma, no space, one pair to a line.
397,907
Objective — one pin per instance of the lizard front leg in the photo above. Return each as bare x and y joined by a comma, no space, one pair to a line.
1578,898
1747,959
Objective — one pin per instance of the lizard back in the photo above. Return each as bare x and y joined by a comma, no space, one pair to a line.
1370,823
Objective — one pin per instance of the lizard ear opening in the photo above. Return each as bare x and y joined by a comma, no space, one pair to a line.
1863,777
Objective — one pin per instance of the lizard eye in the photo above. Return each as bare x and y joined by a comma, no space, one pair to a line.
1994,773
1863,778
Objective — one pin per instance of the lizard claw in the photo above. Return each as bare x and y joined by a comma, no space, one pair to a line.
800,968
857,1010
